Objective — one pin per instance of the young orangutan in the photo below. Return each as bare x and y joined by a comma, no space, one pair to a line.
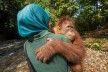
71,35
74,53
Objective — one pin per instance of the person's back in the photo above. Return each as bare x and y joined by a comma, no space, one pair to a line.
33,22
56,63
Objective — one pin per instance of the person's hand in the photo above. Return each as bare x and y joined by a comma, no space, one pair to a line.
45,52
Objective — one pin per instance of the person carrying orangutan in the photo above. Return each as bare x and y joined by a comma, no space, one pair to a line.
65,26
32,23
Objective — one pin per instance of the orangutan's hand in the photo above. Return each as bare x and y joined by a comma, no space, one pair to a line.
49,39
45,52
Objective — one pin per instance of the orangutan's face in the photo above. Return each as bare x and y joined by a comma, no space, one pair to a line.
66,25
70,34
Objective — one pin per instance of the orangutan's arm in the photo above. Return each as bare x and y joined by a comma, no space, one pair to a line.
72,52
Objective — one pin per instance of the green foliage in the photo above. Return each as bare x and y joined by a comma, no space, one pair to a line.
96,44
94,14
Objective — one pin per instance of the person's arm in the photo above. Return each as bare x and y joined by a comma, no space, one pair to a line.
74,53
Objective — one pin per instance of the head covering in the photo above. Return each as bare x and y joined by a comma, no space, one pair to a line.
31,20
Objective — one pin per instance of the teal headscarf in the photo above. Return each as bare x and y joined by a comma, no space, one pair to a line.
31,20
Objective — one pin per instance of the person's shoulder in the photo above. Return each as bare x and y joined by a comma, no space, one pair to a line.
59,36
56,35
64,38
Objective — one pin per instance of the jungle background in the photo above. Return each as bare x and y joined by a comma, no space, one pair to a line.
90,18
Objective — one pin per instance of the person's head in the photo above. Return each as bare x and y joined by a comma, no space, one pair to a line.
32,19
70,34
63,24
